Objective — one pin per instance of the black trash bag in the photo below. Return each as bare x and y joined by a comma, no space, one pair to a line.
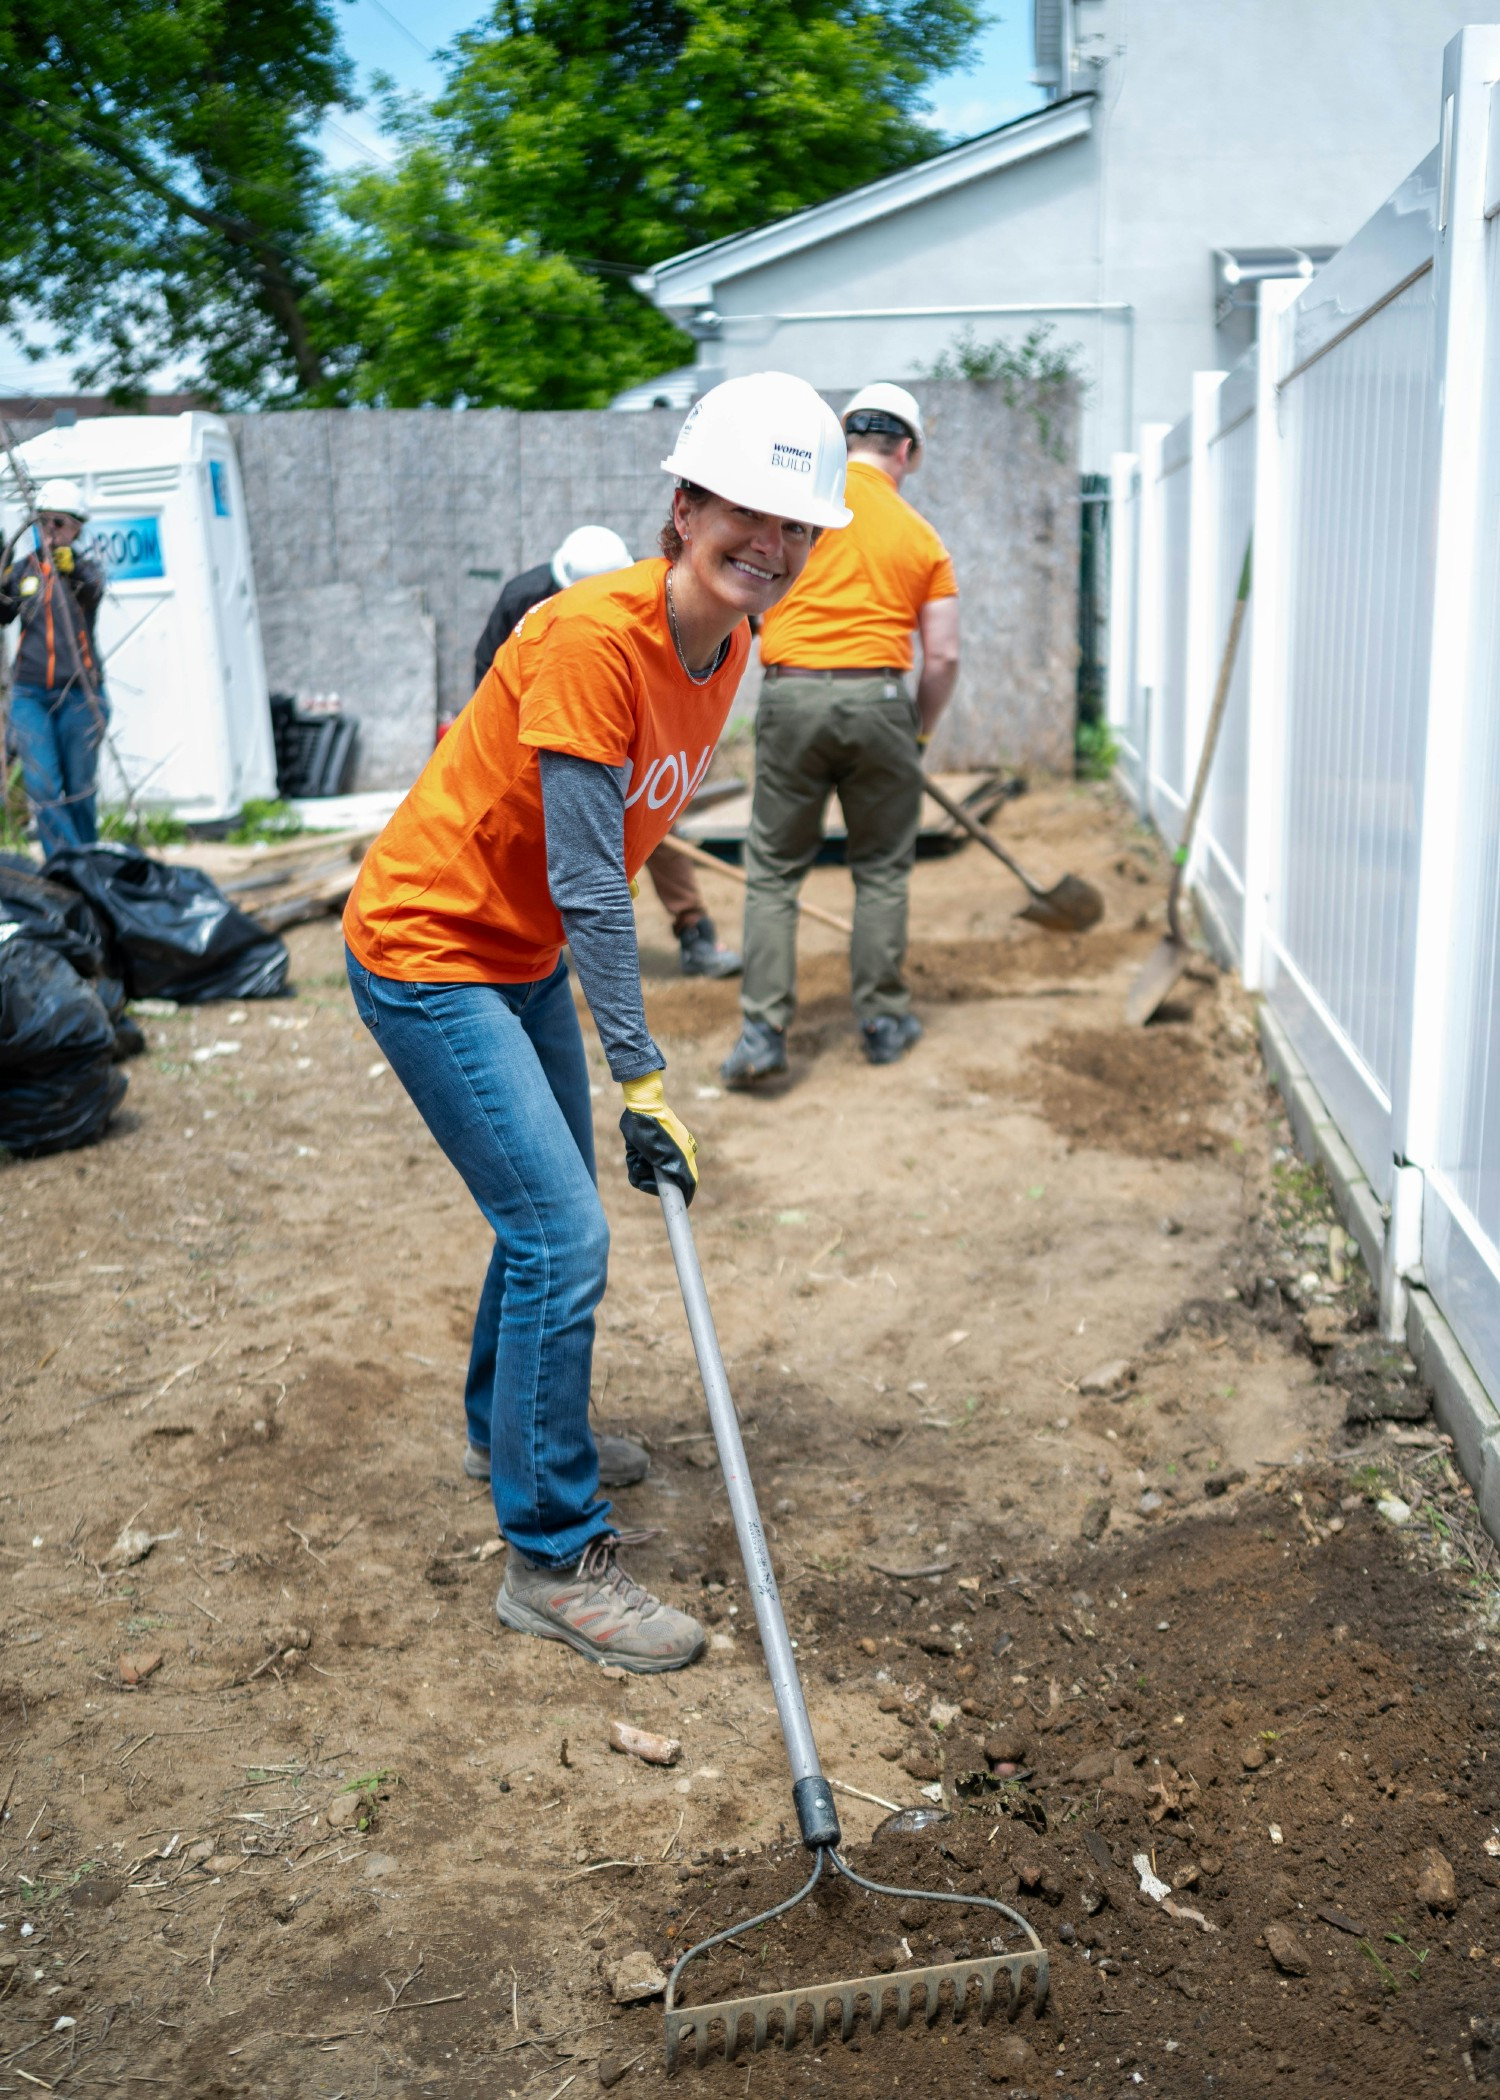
173,934
56,916
130,1039
59,1085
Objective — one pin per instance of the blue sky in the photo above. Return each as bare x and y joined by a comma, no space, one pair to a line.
404,37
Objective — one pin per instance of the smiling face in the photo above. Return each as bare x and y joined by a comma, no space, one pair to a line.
742,560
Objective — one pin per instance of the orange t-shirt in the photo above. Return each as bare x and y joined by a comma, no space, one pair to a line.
855,605
454,890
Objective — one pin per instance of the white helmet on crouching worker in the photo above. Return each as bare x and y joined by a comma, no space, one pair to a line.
61,498
884,408
770,442
589,550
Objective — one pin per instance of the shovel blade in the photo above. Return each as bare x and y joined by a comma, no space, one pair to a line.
1070,906
1155,979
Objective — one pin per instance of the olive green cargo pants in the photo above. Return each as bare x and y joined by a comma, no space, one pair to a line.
856,738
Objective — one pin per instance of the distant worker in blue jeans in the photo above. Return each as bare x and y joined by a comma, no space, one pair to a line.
57,706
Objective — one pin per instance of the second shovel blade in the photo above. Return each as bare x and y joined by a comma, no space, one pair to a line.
1155,978
1070,906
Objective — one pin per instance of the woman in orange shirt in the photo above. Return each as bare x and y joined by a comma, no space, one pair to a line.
589,733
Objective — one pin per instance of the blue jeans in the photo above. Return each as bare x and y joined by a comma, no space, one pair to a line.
498,1074
57,732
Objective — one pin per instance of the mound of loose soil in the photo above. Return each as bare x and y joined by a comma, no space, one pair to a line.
1272,1712
1145,1091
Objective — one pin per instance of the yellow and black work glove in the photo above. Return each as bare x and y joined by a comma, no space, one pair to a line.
62,560
656,1141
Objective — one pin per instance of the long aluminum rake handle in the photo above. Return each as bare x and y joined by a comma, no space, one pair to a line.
810,1790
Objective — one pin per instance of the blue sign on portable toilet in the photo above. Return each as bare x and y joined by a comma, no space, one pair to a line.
130,549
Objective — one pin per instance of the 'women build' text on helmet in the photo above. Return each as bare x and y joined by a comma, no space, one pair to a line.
768,441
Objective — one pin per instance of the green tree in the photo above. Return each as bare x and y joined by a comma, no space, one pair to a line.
160,182
578,141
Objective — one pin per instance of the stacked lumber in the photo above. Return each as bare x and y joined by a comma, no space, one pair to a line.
303,879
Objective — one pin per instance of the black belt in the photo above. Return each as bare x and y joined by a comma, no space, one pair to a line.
804,671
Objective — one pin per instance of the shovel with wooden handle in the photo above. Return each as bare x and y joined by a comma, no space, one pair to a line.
1070,906
705,859
1171,956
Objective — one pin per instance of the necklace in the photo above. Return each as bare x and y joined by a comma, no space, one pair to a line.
697,677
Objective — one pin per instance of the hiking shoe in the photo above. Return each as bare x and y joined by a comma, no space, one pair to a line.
889,1037
759,1054
701,954
621,1462
597,1609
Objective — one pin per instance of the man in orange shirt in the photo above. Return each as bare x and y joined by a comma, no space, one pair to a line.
836,713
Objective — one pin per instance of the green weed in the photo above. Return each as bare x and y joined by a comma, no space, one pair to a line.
266,822
142,827
1095,752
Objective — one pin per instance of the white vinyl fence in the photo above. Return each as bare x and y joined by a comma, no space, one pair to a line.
1348,857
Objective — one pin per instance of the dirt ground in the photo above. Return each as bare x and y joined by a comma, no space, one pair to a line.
1043,1359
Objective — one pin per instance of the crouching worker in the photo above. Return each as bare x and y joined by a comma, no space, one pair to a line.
558,780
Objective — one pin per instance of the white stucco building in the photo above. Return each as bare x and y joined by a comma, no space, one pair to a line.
1184,153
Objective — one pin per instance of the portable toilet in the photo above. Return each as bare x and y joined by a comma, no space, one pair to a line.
179,630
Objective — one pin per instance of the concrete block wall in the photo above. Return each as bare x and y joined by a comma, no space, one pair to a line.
366,524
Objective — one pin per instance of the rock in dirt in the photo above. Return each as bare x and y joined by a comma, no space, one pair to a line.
1324,1325
135,1669
1435,1884
1090,1770
907,1822
1107,1380
131,1546
612,2068
1006,1747
1014,2062
916,1766
1285,1949
1394,1510
279,1639
635,1976
639,1742
351,1810
1095,1520
1253,1756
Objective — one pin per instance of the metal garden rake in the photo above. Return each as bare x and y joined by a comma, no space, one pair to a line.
831,2008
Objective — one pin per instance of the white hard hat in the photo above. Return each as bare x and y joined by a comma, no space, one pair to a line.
589,550
64,497
768,441
883,399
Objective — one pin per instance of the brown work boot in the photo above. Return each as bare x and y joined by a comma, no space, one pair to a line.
597,1609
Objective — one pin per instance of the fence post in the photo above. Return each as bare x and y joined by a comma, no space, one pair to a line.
1266,694
1148,604
1202,588
1471,65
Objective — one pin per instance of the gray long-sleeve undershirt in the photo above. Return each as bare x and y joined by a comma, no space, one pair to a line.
583,808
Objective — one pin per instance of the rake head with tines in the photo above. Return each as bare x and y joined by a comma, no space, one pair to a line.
821,2008
836,2008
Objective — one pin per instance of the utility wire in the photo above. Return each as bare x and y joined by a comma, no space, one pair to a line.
397,23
